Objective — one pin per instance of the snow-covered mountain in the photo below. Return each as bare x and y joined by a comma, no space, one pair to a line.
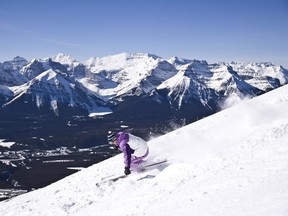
231,163
128,74
9,72
133,83
52,91
50,87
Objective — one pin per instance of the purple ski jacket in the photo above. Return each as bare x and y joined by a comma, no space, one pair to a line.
127,148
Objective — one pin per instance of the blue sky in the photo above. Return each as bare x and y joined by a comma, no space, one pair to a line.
215,30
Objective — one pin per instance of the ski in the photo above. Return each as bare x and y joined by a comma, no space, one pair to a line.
117,178
146,177
111,180
156,163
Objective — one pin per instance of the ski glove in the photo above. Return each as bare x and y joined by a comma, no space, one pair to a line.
127,171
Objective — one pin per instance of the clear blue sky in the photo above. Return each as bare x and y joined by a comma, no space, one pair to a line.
215,30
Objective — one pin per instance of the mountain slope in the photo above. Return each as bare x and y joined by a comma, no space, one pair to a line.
231,163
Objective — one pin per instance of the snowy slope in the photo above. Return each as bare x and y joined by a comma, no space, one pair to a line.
232,163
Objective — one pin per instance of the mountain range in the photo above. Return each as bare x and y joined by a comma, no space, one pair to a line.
130,85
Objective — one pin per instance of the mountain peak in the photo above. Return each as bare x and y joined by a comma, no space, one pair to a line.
177,60
64,59
121,61
182,61
19,59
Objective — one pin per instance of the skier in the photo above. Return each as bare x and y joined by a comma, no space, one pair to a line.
134,149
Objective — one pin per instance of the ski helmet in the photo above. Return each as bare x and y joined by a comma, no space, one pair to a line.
111,137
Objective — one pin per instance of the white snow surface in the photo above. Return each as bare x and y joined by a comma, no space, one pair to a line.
232,163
